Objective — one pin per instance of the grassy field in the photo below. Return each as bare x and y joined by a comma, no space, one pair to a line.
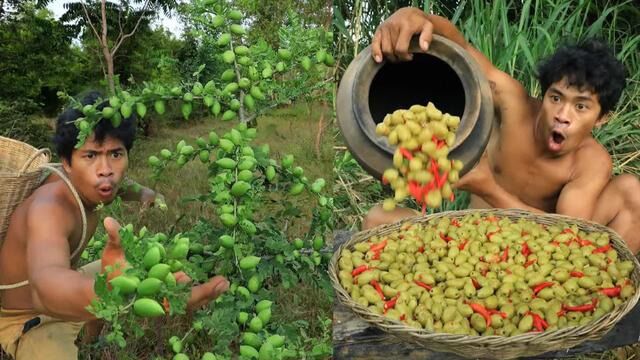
288,130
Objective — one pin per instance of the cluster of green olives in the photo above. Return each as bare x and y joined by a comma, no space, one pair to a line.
487,275
423,135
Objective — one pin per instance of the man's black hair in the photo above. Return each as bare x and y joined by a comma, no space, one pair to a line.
587,65
66,135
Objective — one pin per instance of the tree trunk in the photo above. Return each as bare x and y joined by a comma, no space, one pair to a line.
320,129
108,57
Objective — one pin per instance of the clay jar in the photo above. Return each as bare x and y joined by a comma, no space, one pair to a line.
446,75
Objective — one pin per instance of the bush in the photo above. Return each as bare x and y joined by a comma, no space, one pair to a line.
16,123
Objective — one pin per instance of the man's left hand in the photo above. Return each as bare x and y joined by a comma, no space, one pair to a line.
150,198
479,180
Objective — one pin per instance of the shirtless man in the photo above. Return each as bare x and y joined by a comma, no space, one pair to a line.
541,156
41,319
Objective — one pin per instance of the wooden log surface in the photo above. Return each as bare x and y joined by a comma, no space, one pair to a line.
354,338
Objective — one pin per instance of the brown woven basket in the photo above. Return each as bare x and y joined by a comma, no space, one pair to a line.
494,347
20,174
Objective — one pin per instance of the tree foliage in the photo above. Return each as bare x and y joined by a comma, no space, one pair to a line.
35,53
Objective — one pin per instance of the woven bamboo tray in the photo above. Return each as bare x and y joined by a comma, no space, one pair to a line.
20,174
493,347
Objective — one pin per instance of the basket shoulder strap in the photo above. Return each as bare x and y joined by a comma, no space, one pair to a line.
56,168
14,286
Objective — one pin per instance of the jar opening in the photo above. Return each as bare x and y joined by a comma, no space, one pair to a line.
425,78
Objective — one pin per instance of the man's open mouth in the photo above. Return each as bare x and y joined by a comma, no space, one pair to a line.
556,140
558,137
105,190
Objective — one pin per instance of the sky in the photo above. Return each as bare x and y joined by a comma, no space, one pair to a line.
171,24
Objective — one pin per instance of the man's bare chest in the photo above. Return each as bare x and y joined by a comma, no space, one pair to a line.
76,239
516,167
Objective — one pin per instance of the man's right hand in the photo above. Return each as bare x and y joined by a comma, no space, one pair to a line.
113,254
393,36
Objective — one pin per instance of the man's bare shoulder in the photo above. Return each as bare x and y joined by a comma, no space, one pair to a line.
505,88
592,159
52,200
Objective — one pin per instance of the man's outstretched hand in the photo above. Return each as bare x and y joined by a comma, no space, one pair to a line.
393,36
201,295
113,255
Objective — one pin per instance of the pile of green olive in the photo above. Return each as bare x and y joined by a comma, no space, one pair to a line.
487,275
423,135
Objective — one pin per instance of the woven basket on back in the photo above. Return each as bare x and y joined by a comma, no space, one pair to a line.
20,174
493,347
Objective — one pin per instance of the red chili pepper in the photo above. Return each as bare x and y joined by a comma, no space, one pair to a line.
452,197
385,181
376,255
505,254
378,288
529,263
413,190
475,283
545,325
538,321
443,179
602,249
402,317
421,249
555,243
583,242
492,219
546,284
406,153
525,249
455,223
424,208
422,285
567,231
482,311
561,312
489,235
360,269
434,170
463,244
446,238
577,274
391,303
582,308
378,246
611,292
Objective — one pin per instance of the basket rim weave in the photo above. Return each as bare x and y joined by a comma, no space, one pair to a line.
34,155
528,344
